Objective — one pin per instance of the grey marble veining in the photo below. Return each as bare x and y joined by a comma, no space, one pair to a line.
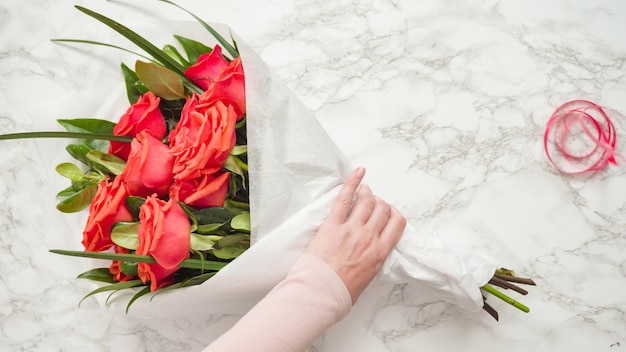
445,103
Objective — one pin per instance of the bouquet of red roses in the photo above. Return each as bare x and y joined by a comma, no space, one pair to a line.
201,166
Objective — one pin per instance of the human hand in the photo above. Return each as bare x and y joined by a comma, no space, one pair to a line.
357,236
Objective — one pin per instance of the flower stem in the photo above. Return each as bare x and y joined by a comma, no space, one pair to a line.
506,298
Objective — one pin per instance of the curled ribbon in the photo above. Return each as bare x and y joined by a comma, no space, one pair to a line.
580,137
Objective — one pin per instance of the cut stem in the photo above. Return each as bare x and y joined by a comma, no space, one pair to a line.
506,298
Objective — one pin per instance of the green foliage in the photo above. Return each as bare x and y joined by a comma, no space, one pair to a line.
131,80
192,48
76,201
160,80
125,234
98,274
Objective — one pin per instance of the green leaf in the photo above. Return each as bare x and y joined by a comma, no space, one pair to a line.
174,54
71,171
79,152
239,150
229,252
233,164
209,228
160,80
125,234
232,240
88,125
98,274
212,215
143,292
241,222
98,43
225,44
130,80
134,204
79,200
110,162
192,48
187,263
200,243
141,42
113,287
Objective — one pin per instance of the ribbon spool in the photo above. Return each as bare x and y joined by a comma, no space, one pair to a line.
580,137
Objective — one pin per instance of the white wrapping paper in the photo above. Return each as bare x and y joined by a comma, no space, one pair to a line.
295,172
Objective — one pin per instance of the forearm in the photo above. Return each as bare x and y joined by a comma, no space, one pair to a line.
297,311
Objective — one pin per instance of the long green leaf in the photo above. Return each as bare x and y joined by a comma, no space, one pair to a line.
113,287
61,134
143,292
137,39
130,80
225,44
98,274
158,54
187,263
101,44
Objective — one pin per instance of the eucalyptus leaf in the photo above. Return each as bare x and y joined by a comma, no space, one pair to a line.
241,222
200,243
160,80
229,252
98,274
192,48
125,234
79,200
71,171
112,163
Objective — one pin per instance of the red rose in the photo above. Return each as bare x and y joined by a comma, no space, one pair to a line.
149,167
229,87
164,232
144,115
202,139
203,192
207,68
220,80
107,207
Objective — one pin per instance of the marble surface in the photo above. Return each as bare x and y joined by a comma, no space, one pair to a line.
445,103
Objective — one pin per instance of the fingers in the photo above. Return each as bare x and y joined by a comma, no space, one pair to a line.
363,206
341,206
393,230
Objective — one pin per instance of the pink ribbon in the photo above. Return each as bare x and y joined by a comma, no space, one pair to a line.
580,137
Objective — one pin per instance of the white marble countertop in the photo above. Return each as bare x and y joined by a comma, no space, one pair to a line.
444,101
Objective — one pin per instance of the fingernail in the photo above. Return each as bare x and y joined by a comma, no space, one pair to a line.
359,172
